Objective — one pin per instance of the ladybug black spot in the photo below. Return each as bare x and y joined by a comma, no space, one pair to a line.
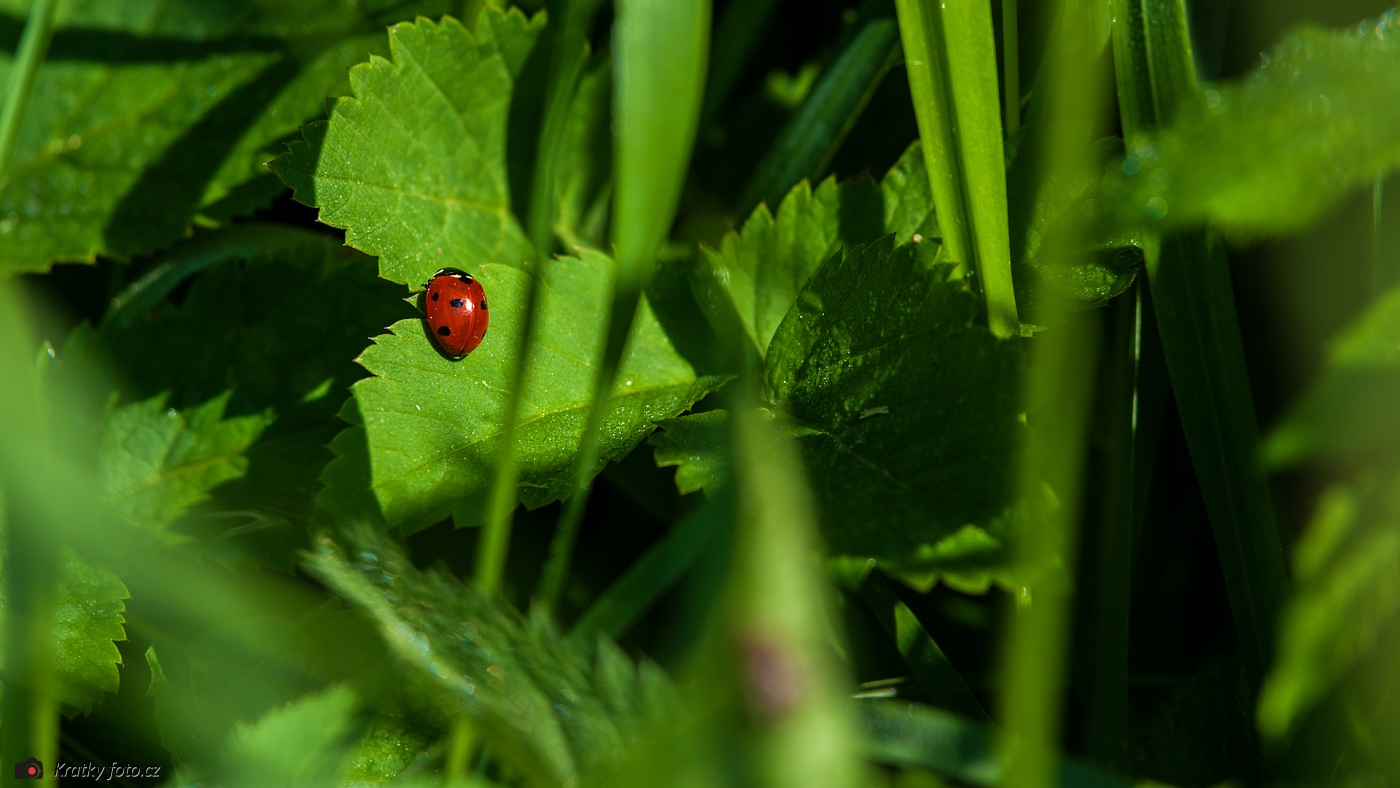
435,296
456,303
483,305
444,331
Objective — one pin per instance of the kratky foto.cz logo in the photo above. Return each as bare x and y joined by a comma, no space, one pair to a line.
33,769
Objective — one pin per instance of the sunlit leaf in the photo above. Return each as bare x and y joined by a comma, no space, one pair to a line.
427,428
147,115
550,706
755,275
1272,151
304,743
413,167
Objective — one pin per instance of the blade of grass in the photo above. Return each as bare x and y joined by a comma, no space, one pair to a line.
1109,548
815,132
930,666
950,51
33,46
659,56
736,35
1058,401
566,65
652,575
1193,296
1011,66
908,734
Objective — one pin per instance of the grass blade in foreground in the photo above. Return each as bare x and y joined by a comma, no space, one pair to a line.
660,47
951,56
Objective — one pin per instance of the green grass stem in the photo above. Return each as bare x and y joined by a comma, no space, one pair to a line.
950,52
33,46
1191,290
660,49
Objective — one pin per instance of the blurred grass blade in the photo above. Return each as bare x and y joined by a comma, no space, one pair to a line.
1194,301
570,42
568,28
735,38
908,734
33,46
780,616
660,49
931,668
950,50
812,136
652,575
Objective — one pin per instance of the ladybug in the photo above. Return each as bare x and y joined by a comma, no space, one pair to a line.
457,314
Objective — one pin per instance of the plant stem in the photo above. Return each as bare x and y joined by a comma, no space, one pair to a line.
1380,278
1191,289
950,54
1011,66
660,49
33,45
566,64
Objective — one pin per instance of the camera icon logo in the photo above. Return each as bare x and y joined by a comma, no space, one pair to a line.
31,769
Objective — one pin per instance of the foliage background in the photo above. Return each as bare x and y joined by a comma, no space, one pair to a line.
208,582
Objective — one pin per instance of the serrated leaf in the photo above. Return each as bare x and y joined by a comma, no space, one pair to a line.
697,446
413,167
1350,410
1329,98
879,348
1347,591
267,335
157,461
550,706
148,114
758,271
303,743
88,617
428,429
241,669
970,560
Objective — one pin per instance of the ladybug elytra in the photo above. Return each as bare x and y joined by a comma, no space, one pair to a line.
456,306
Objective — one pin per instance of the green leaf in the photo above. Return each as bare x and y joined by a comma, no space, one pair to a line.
1350,411
698,447
234,672
158,462
1045,198
148,115
87,621
427,429
87,618
584,169
413,167
304,743
878,348
913,735
757,272
1347,580
550,707
266,335
1330,98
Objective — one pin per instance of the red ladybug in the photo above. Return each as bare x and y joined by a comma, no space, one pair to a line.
456,311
